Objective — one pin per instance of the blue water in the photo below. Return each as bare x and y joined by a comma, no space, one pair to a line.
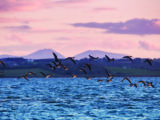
78,99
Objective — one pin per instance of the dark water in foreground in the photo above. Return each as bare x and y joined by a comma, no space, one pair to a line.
78,99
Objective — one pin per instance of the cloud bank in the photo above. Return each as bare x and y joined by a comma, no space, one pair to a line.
133,26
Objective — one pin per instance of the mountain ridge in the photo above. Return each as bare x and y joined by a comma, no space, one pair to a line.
98,53
47,53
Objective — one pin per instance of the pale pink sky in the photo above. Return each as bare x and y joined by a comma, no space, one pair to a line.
120,26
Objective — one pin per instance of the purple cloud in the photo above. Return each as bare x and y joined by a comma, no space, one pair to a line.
133,26
18,28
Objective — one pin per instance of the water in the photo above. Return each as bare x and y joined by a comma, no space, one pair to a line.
78,99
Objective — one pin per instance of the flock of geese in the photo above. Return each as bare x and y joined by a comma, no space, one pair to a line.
58,64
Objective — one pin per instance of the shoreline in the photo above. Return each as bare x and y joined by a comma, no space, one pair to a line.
80,77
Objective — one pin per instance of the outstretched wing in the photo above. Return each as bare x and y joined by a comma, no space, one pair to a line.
108,73
2,63
107,58
130,59
91,57
127,80
89,66
55,57
25,77
142,82
149,61
43,74
83,70
73,60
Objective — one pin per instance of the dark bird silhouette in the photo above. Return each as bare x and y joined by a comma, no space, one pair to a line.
58,65
142,83
46,75
127,80
94,58
129,57
149,84
52,67
89,66
149,61
109,75
72,59
73,75
65,68
30,73
110,80
25,77
130,83
88,78
82,69
100,80
109,59
55,57
1,62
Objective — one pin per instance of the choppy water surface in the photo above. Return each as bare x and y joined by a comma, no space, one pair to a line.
78,99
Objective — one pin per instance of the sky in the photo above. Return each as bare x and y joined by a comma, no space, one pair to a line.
73,26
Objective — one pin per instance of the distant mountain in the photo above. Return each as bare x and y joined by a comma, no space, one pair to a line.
43,54
98,53
47,53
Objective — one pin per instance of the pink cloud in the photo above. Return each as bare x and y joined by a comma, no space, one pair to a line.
19,39
43,30
149,46
123,44
28,5
105,9
71,1
21,5
11,20
15,20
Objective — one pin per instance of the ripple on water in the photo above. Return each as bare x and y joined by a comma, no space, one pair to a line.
77,99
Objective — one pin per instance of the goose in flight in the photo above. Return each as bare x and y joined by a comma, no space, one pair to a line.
65,68
25,77
149,84
130,83
52,67
31,73
141,81
109,75
88,65
55,57
58,65
46,75
73,75
109,59
88,78
100,80
72,59
149,61
126,79
82,69
128,57
93,58
1,62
